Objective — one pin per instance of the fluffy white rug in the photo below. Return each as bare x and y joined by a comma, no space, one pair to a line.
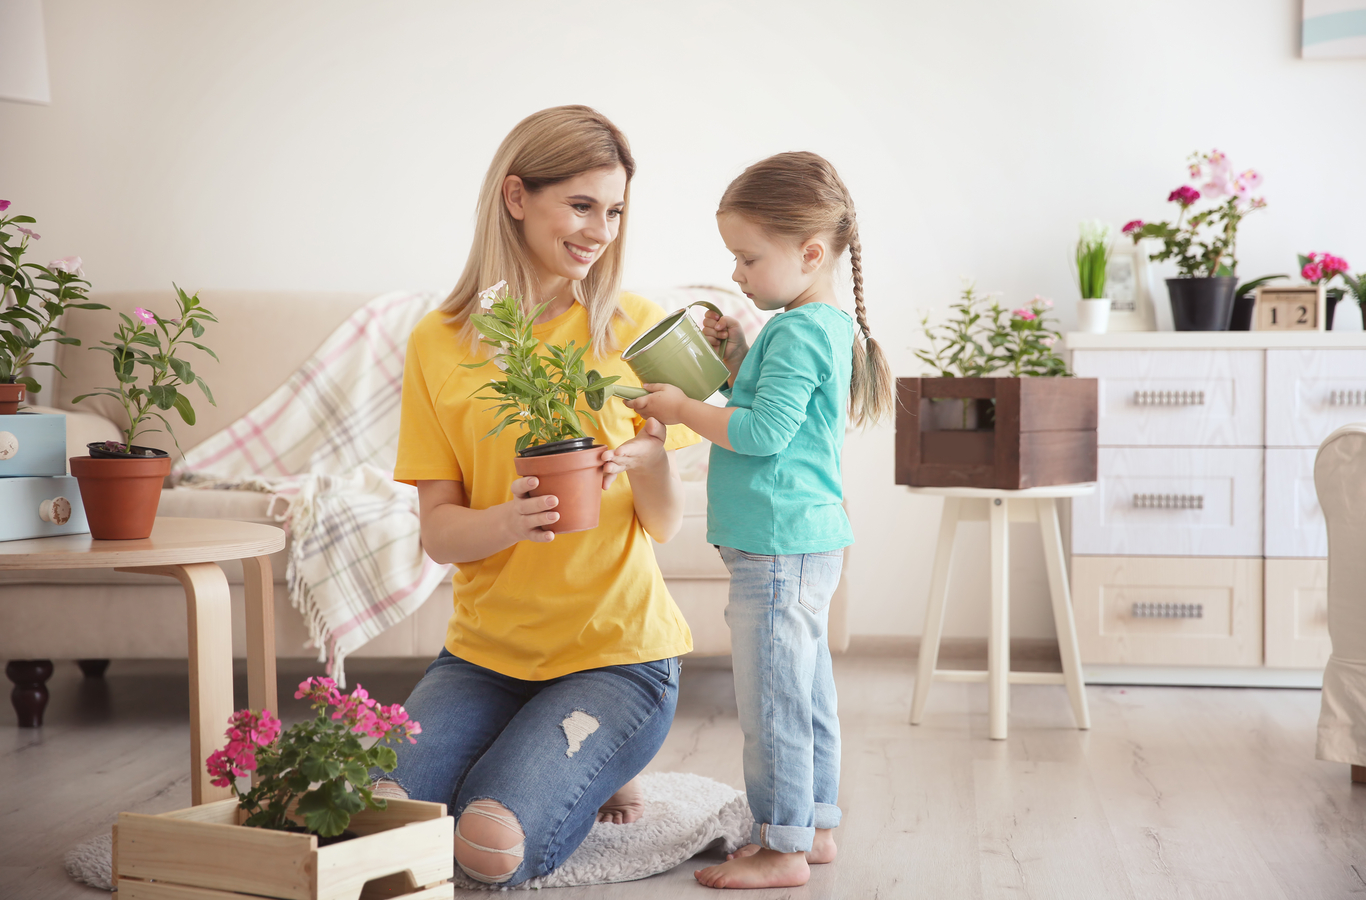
684,815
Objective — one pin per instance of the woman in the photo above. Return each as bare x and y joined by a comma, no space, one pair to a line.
559,677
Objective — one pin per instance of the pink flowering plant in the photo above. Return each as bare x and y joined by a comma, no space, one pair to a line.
33,299
318,770
1321,268
148,343
1204,244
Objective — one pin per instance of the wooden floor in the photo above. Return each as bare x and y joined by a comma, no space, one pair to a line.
1175,792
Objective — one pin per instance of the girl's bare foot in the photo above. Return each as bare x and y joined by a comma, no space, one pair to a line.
761,869
823,848
625,806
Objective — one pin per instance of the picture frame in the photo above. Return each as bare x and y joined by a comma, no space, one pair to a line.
1128,282
1292,307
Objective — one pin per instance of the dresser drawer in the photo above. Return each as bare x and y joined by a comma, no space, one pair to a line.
23,500
1176,398
1312,393
1164,502
32,444
1294,520
1296,600
1174,612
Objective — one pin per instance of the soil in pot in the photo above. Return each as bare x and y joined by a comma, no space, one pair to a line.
573,475
11,395
121,494
1202,304
346,835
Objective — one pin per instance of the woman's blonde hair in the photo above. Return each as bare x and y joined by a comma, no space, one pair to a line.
800,196
545,148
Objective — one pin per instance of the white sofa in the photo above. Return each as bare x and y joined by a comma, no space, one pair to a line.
261,339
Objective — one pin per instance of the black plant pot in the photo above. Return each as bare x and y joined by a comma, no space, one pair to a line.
1243,305
1330,303
568,445
1202,304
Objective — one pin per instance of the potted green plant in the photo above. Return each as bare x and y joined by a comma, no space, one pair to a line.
1322,268
1244,299
1000,409
1204,245
539,393
1092,258
1356,286
121,481
33,299
308,826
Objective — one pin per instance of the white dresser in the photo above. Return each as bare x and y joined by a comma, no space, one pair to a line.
1200,558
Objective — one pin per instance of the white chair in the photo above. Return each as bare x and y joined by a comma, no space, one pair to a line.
1340,480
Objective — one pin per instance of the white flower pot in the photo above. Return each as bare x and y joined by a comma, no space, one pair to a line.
1093,315
1347,315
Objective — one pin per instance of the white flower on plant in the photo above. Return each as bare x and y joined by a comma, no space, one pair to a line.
489,295
525,413
71,265
501,364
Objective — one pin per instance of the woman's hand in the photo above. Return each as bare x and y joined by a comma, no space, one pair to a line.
664,403
524,515
725,328
646,449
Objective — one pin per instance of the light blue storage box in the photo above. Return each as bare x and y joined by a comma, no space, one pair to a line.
34,507
32,444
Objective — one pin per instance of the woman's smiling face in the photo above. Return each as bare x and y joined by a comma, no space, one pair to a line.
567,226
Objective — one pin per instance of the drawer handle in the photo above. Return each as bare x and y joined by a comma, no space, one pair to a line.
1335,398
1169,611
57,511
9,445
1169,398
1169,501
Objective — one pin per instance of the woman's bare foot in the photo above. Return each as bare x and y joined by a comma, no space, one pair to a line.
625,806
823,848
761,869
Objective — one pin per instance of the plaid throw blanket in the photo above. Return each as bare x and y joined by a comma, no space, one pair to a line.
324,445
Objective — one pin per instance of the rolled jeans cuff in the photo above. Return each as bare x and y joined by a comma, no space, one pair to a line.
828,815
783,838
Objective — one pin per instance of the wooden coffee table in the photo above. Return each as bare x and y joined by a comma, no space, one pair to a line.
189,551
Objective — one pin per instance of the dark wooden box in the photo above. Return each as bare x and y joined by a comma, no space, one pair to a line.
1044,433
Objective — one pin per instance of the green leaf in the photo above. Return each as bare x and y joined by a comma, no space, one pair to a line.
321,816
205,349
31,384
163,395
182,369
182,405
205,388
195,328
384,757
320,768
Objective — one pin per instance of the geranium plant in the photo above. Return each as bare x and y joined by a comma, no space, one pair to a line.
318,770
1321,268
149,343
538,392
1093,255
1204,244
33,299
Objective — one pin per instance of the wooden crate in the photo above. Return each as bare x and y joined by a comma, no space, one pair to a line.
1044,433
204,853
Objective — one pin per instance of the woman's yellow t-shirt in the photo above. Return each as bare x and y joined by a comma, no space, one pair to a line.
538,611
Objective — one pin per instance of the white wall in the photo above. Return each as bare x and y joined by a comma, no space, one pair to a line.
339,145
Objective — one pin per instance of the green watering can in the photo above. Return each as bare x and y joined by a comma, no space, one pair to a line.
673,352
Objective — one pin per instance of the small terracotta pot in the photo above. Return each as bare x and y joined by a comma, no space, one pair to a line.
576,479
120,495
10,397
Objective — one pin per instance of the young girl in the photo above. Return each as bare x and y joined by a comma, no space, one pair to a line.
774,496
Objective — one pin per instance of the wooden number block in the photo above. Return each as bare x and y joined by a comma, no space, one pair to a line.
1292,308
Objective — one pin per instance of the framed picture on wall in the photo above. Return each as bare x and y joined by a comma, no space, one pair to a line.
1333,29
1128,281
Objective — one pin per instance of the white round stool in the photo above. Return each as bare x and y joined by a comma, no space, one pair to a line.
1000,508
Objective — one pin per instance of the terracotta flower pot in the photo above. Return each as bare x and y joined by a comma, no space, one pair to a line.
120,495
10,397
575,478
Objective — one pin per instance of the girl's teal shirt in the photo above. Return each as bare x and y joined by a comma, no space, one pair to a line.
779,491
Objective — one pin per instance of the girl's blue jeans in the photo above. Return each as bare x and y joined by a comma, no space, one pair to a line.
552,752
785,691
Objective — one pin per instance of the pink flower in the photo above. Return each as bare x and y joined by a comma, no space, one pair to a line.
1257,203
4,205
1218,162
68,264
1184,195
1195,171
1313,273
1246,182
1048,341
33,234
1217,187
1132,226
1334,265
1024,313
147,317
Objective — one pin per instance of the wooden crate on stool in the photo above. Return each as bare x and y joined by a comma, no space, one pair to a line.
204,853
1034,432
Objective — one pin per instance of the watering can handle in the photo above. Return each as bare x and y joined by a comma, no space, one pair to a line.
714,308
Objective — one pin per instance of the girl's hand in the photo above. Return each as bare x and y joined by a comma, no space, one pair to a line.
664,402
643,450
725,328
524,515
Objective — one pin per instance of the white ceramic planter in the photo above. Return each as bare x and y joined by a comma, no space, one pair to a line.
1347,315
1093,315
